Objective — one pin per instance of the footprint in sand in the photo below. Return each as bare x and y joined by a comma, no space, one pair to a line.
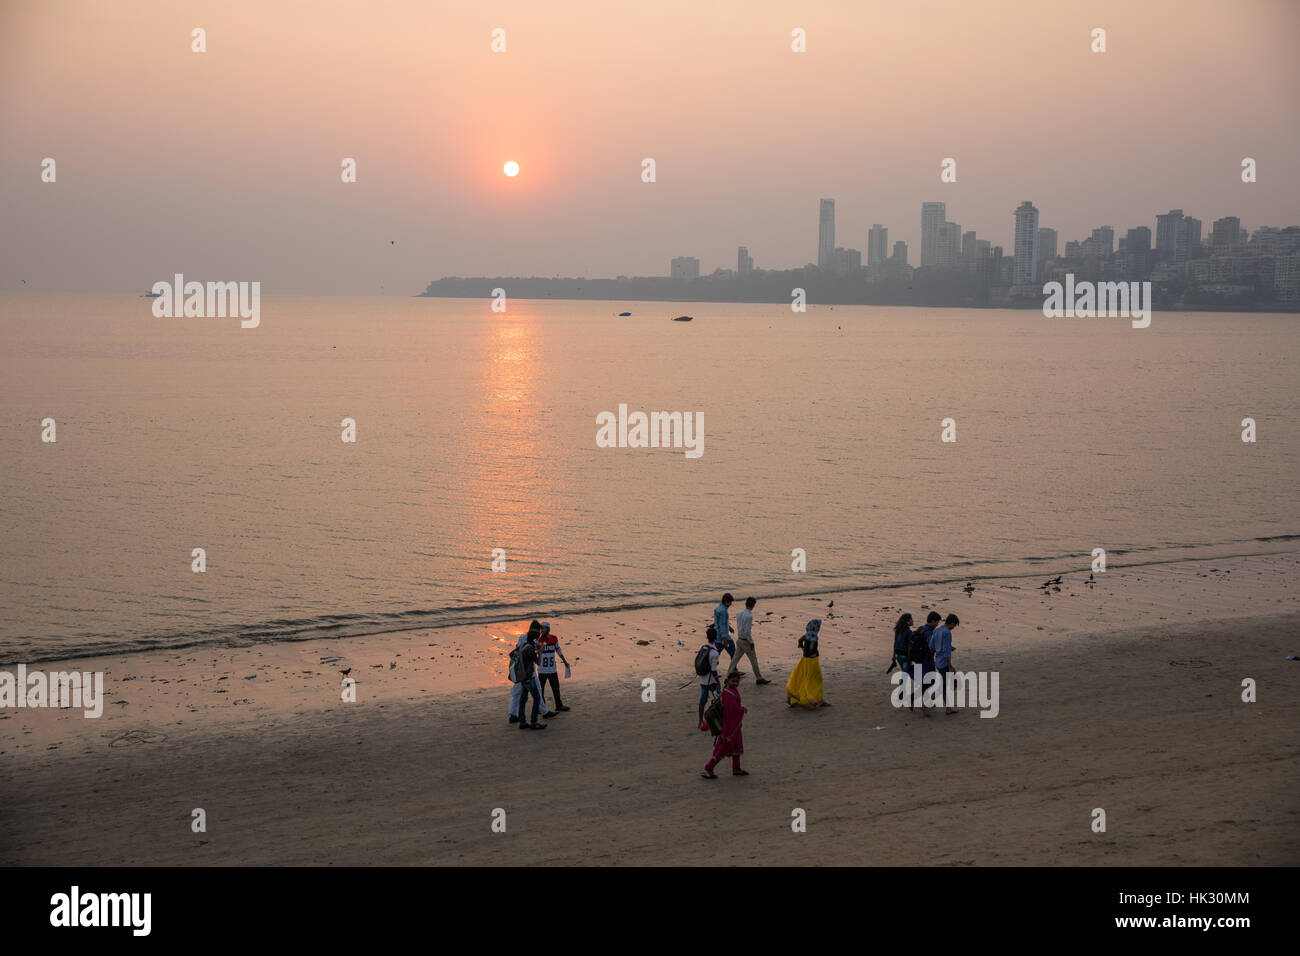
133,737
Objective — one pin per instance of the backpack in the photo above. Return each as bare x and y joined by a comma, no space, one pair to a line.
514,663
703,662
919,646
713,715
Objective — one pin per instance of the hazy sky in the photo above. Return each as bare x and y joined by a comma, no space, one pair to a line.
226,164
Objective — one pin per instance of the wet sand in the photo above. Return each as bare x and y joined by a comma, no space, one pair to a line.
1125,695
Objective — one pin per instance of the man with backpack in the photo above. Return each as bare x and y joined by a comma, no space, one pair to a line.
526,671
517,688
706,666
919,651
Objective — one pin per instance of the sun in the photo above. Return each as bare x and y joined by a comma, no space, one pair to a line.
512,168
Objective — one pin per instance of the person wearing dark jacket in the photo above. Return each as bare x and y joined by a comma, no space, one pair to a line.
527,671
927,659
903,644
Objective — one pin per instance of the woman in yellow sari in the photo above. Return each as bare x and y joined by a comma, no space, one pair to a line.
804,688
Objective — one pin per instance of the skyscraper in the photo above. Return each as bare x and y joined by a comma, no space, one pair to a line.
900,253
1167,233
933,215
826,235
846,262
947,246
1103,241
877,245
1025,250
1137,248
1227,233
1046,244
968,241
744,261
1187,241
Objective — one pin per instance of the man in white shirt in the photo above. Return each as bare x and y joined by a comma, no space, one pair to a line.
745,641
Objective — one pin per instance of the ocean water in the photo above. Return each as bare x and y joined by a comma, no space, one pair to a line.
476,431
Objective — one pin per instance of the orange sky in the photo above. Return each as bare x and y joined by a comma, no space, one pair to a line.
226,164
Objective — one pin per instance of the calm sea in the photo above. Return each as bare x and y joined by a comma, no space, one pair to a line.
476,431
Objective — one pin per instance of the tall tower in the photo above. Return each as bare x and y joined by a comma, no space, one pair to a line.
1025,250
877,245
933,215
826,235
1167,233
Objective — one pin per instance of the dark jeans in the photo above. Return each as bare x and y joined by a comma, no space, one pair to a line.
528,689
554,681
705,690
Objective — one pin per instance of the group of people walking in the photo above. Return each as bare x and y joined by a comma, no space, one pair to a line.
930,646
533,666
721,710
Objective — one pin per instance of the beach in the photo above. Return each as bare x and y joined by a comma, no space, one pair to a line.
1125,695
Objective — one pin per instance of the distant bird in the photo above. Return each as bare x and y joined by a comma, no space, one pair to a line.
392,242
24,281
346,671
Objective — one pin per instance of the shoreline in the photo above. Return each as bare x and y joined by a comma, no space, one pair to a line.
203,686
1285,543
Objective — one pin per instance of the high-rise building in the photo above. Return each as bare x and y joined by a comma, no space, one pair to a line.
1167,233
947,246
1046,244
933,215
900,253
1187,241
1103,241
877,245
1025,250
1046,248
1226,235
984,269
744,261
846,262
968,242
1137,251
826,235
685,267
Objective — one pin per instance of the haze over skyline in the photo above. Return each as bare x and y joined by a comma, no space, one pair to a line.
226,164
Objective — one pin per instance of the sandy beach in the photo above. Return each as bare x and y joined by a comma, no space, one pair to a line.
1123,695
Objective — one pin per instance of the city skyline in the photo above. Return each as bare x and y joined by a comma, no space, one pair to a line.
734,119
1178,240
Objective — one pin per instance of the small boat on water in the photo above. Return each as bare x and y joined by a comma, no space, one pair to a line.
623,314
684,318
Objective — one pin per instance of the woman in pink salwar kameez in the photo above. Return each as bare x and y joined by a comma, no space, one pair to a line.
730,742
